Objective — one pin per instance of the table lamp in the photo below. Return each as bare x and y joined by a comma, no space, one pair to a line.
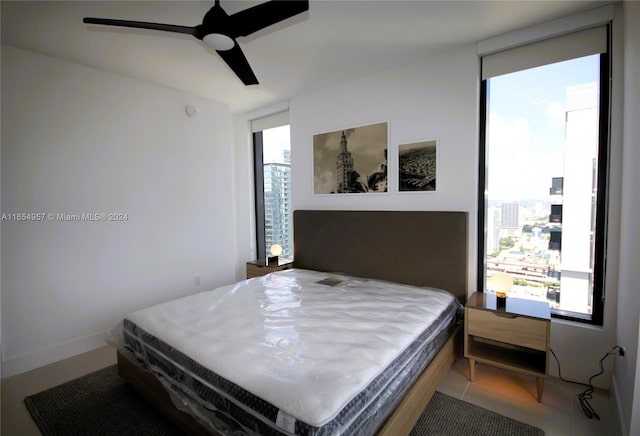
275,250
501,283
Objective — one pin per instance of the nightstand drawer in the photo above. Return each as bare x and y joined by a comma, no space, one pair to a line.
518,330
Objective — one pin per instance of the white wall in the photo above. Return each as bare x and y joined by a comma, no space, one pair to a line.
244,192
627,372
435,99
78,140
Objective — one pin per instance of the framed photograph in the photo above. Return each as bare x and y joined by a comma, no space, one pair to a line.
417,166
351,161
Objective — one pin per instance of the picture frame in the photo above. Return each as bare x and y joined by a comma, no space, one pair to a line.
418,166
351,160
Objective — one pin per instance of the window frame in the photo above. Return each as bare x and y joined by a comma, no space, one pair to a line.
603,184
260,125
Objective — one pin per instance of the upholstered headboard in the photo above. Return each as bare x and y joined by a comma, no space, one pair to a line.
410,247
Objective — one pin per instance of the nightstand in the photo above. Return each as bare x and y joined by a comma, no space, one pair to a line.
257,269
516,337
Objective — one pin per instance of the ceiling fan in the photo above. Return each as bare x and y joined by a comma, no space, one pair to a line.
219,30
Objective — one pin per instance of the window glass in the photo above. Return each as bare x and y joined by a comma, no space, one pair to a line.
541,174
278,213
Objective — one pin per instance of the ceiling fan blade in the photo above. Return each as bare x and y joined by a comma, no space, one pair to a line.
239,64
141,25
258,17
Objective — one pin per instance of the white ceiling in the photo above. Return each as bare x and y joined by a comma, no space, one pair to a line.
335,41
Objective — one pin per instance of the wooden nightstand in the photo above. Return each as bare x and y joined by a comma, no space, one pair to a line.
257,269
516,338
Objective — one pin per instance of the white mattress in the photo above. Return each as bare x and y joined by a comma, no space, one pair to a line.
305,347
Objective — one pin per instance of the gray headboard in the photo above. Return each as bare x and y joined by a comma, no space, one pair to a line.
410,247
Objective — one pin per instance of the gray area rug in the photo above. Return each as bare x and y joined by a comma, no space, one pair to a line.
103,404
97,404
447,416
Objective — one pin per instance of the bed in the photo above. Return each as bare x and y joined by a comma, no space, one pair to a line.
270,386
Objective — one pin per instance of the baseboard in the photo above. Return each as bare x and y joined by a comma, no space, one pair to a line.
36,359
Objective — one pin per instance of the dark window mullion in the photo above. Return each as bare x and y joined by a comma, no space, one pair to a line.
602,204
258,177
482,185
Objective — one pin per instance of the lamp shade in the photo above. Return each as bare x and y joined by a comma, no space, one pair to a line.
275,250
500,282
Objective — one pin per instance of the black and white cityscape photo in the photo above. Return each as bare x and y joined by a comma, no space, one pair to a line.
417,166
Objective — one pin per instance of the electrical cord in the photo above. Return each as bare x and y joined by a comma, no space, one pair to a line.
587,395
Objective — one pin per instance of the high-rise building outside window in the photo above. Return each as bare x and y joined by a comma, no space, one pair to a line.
277,190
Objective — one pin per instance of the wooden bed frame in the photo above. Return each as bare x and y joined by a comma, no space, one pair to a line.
416,248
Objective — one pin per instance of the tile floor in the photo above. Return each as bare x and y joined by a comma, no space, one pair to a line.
513,395
504,392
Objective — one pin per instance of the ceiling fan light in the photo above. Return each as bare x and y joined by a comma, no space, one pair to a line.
218,42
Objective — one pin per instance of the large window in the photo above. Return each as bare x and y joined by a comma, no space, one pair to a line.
543,173
274,214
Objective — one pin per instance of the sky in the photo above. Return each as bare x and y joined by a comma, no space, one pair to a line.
526,127
274,141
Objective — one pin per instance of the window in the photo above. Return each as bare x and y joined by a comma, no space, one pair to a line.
543,172
274,214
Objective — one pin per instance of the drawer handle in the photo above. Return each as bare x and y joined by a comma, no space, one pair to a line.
505,315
